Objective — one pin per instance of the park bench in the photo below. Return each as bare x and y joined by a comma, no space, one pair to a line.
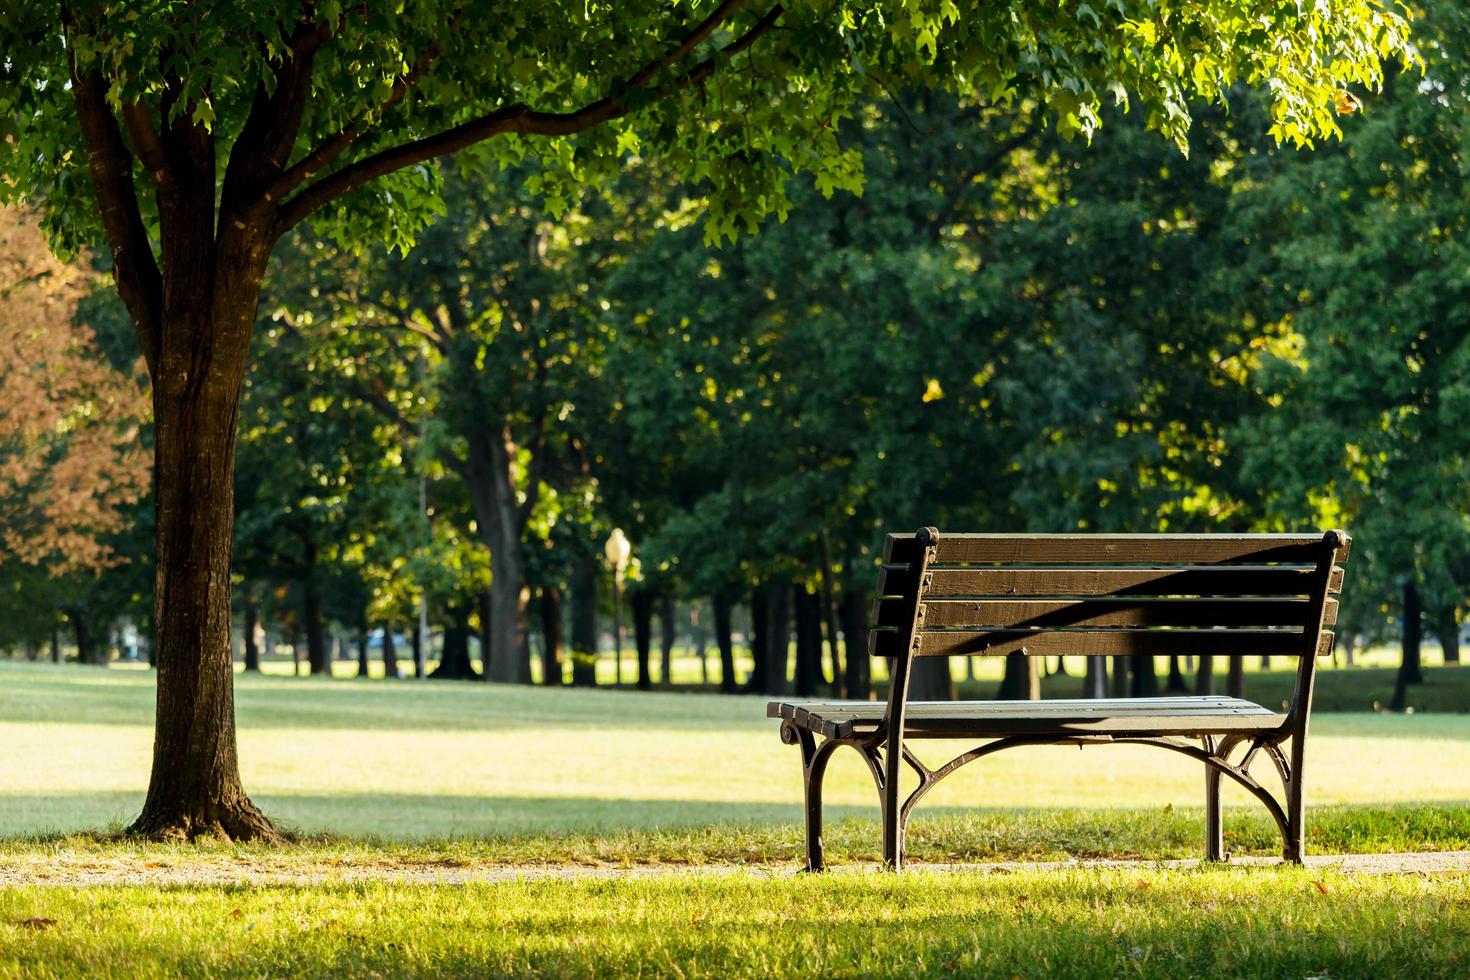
1204,595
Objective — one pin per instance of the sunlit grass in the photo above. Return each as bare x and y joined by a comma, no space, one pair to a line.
415,761
1277,922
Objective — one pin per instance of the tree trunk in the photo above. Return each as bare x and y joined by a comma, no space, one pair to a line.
203,341
778,639
854,612
418,641
1120,677
1061,670
1204,680
584,622
316,640
829,618
82,633
1235,683
668,635
1145,677
551,670
390,653
1176,684
643,634
1412,664
500,517
252,623
362,651
454,663
1447,631
1095,679
1022,681
930,680
55,645
483,604
725,642
808,643
760,640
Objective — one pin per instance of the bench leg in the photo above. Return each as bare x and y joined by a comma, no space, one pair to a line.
1214,830
814,770
1296,804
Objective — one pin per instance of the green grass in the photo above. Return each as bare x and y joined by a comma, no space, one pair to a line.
615,775
1275,922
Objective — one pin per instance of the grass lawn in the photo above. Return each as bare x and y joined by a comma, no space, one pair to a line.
617,775
408,777
1271,922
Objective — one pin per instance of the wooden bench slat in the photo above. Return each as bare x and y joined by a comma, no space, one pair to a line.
1099,643
994,718
1104,611
1190,580
1303,549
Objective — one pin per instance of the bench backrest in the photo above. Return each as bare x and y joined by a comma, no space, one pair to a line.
1106,595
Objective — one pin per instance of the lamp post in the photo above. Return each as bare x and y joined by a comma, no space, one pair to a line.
618,550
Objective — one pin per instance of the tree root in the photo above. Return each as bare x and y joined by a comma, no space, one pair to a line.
239,822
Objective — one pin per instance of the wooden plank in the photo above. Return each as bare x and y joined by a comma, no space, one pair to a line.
1132,548
1099,643
895,580
1334,585
901,549
1185,580
1105,611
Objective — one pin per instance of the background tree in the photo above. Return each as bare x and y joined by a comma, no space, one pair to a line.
244,120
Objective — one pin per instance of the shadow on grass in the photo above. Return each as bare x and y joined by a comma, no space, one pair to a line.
602,829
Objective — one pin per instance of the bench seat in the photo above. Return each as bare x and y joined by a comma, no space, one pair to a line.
1196,715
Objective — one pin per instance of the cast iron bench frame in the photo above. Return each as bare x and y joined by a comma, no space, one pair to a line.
955,595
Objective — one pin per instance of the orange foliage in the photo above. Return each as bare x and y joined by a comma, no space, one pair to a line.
70,458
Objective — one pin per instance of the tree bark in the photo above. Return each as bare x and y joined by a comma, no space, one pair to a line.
1235,683
760,640
55,645
724,641
362,651
1145,677
1095,679
1022,680
930,680
1411,665
643,634
500,517
1447,631
417,643
1120,677
390,653
1176,678
82,632
252,623
483,603
808,643
311,613
778,639
668,635
854,612
584,622
551,670
1204,679
209,308
454,663
829,619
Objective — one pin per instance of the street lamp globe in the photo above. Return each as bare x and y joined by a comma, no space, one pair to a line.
618,550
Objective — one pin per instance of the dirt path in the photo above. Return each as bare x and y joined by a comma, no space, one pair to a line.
259,871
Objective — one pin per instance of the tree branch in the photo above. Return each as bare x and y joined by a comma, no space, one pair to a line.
326,153
520,118
134,267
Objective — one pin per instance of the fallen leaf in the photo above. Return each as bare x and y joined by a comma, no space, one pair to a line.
1320,887
236,914
1141,884
38,923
